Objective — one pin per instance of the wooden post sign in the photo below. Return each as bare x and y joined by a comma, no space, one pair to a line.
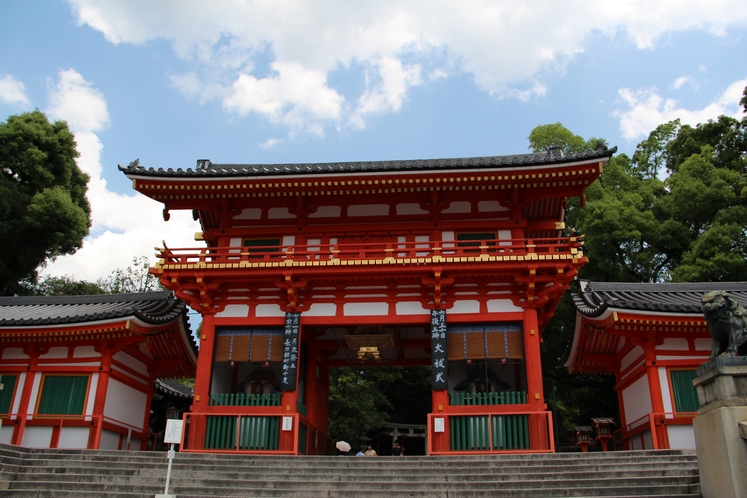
439,361
290,351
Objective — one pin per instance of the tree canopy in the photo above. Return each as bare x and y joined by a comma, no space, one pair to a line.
674,211
44,212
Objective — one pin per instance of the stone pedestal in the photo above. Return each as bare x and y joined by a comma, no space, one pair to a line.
721,384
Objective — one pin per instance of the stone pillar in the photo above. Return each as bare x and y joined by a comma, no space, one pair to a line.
722,450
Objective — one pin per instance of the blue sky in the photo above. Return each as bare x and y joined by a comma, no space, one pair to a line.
170,82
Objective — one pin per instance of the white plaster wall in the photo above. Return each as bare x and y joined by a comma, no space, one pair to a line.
125,404
86,352
410,208
458,207
109,440
634,355
92,393
648,441
496,305
6,434
19,389
490,207
249,214
279,213
327,212
365,309
410,308
465,307
637,400
58,352
666,395
234,310
74,437
368,210
131,362
703,344
268,310
681,436
321,309
34,394
14,354
674,344
289,240
36,437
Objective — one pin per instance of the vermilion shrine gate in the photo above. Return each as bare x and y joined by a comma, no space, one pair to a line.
453,263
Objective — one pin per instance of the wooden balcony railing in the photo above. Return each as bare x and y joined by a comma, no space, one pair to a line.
379,252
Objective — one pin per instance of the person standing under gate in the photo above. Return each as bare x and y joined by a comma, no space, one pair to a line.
370,452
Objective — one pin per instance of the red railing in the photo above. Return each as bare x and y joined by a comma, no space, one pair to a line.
655,424
407,252
95,423
482,436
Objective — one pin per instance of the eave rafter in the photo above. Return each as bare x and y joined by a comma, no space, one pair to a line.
183,193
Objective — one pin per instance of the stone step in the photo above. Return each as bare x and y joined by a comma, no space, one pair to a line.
110,474
598,487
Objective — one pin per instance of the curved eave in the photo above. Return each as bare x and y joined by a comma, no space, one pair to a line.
210,170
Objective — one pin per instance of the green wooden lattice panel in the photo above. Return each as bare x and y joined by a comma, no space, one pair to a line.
63,395
685,396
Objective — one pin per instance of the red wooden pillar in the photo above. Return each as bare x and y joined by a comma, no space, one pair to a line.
28,386
538,434
105,370
621,403
440,441
202,381
654,388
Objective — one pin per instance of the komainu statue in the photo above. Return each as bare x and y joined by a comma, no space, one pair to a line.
727,323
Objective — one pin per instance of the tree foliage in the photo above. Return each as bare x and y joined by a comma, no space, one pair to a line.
43,205
545,137
674,211
362,400
134,278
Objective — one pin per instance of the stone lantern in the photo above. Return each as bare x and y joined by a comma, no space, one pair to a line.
583,436
603,428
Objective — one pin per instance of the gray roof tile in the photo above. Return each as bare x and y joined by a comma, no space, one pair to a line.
150,307
595,298
207,169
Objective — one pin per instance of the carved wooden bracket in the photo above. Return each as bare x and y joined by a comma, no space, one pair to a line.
291,288
438,282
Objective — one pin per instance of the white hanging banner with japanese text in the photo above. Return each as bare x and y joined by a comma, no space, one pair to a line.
439,361
290,351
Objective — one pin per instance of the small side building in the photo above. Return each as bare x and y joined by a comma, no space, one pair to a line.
652,338
79,371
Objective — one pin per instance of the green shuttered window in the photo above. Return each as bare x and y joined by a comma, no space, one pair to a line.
6,395
63,395
685,396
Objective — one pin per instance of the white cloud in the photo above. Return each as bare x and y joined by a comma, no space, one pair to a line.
295,97
73,99
124,226
511,48
682,81
390,92
13,91
647,109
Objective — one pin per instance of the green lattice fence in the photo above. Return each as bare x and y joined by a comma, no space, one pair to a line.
256,433
473,433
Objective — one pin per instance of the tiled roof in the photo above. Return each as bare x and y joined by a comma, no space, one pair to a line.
205,168
174,388
151,307
596,297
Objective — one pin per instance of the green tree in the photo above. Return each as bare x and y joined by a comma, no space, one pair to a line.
65,286
362,400
43,205
544,137
675,211
134,278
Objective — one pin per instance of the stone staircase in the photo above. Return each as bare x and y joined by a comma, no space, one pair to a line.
42,473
